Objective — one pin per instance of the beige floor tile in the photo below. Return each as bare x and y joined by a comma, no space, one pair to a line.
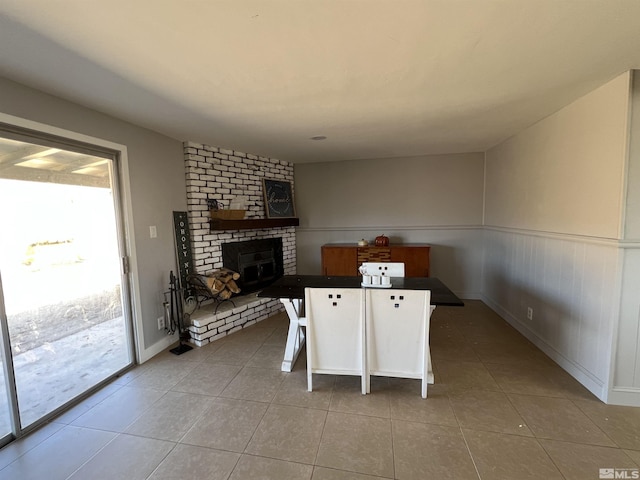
275,321
195,355
254,334
579,462
322,473
288,433
460,376
266,412
190,462
171,416
621,424
208,379
507,457
267,356
19,447
525,379
162,374
459,351
479,325
405,403
488,410
558,419
569,386
83,407
227,425
234,352
357,443
119,410
127,457
258,468
443,331
516,353
479,330
430,451
259,384
278,336
633,455
129,375
58,456
293,390
347,397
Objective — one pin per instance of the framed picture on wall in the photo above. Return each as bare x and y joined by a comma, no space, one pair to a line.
278,198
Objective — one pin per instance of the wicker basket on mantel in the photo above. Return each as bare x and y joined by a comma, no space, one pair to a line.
227,214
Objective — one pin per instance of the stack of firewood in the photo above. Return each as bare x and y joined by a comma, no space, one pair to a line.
222,283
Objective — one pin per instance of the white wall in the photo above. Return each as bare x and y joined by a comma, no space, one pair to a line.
554,206
429,199
157,187
625,381
564,174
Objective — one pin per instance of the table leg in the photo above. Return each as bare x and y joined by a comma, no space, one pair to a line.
430,378
296,336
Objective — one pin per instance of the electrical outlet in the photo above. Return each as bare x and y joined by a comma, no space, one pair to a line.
160,323
529,313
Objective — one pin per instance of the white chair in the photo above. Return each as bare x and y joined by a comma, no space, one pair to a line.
398,334
335,332
389,269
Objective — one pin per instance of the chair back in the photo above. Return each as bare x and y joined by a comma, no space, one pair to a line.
398,333
335,332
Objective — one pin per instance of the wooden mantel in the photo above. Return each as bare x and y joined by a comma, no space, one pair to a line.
253,223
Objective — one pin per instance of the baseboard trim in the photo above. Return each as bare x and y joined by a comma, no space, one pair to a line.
626,396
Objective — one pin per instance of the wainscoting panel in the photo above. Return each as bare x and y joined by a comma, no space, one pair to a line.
570,284
626,377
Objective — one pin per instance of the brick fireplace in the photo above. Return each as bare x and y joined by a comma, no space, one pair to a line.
223,175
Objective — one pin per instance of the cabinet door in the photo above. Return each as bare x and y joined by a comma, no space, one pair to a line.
339,261
415,259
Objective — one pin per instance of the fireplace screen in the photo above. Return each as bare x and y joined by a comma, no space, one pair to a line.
259,262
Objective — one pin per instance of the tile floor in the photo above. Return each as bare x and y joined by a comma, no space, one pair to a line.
500,409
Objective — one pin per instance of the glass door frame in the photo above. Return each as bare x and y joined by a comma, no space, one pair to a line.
27,131
9,377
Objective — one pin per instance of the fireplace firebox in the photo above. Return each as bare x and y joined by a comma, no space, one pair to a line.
259,262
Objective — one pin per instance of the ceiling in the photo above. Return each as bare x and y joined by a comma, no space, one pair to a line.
378,78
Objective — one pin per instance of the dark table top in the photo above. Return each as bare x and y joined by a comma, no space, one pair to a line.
292,286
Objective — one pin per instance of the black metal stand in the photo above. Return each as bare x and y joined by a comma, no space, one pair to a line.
201,292
176,319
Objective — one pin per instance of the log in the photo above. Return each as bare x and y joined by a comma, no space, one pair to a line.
225,294
234,275
233,286
222,276
215,284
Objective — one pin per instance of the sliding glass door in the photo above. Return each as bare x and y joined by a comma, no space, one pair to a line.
8,412
65,293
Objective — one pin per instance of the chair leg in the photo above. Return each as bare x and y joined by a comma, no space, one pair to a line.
309,380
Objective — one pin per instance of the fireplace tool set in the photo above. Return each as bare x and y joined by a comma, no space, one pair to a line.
175,315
